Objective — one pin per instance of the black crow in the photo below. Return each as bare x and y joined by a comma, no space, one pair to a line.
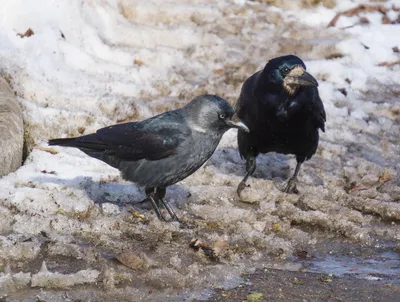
282,108
160,151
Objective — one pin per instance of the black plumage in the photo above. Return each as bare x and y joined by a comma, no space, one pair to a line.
160,151
282,108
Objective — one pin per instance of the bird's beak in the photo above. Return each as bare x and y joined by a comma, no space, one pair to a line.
299,77
235,122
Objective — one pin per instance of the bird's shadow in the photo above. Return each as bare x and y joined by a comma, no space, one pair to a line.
280,167
110,191
370,149
98,191
271,166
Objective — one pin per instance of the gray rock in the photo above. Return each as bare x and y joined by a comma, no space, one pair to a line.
11,130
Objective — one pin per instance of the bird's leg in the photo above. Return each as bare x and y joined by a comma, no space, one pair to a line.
151,196
169,209
291,185
250,168
160,193
156,209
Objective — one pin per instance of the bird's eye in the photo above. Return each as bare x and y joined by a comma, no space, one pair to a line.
222,116
285,70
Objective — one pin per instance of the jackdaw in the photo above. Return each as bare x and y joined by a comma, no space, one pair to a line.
163,150
282,108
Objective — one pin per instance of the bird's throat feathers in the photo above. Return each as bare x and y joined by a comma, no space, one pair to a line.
290,89
197,127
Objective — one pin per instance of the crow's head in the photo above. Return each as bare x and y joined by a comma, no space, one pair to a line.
210,113
289,72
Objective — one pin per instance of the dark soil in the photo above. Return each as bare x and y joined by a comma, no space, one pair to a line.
279,285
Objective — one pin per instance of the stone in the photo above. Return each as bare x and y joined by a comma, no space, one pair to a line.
11,130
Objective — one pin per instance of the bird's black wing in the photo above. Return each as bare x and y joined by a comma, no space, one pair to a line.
317,110
152,139
247,105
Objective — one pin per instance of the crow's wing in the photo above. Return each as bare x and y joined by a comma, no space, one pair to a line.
317,109
319,113
247,106
152,139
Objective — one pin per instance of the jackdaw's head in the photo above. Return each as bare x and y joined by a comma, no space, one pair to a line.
210,113
289,72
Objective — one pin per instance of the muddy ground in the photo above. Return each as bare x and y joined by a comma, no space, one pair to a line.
281,285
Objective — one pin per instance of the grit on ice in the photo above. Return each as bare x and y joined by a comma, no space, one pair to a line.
91,64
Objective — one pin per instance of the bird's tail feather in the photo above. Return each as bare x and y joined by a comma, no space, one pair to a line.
67,142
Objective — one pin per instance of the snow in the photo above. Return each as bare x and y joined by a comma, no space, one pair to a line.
95,63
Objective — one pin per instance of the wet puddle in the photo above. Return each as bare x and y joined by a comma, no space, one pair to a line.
384,266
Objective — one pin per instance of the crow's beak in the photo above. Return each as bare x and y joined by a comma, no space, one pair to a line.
235,122
300,78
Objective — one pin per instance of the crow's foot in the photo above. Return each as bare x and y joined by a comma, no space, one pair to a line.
241,187
291,187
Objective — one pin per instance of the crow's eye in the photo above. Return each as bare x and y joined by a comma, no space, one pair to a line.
222,116
285,70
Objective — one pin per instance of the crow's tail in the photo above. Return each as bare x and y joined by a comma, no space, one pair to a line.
66,142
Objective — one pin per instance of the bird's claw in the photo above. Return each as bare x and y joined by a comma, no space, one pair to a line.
241,187
182,224
175,218
161,217
291,187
